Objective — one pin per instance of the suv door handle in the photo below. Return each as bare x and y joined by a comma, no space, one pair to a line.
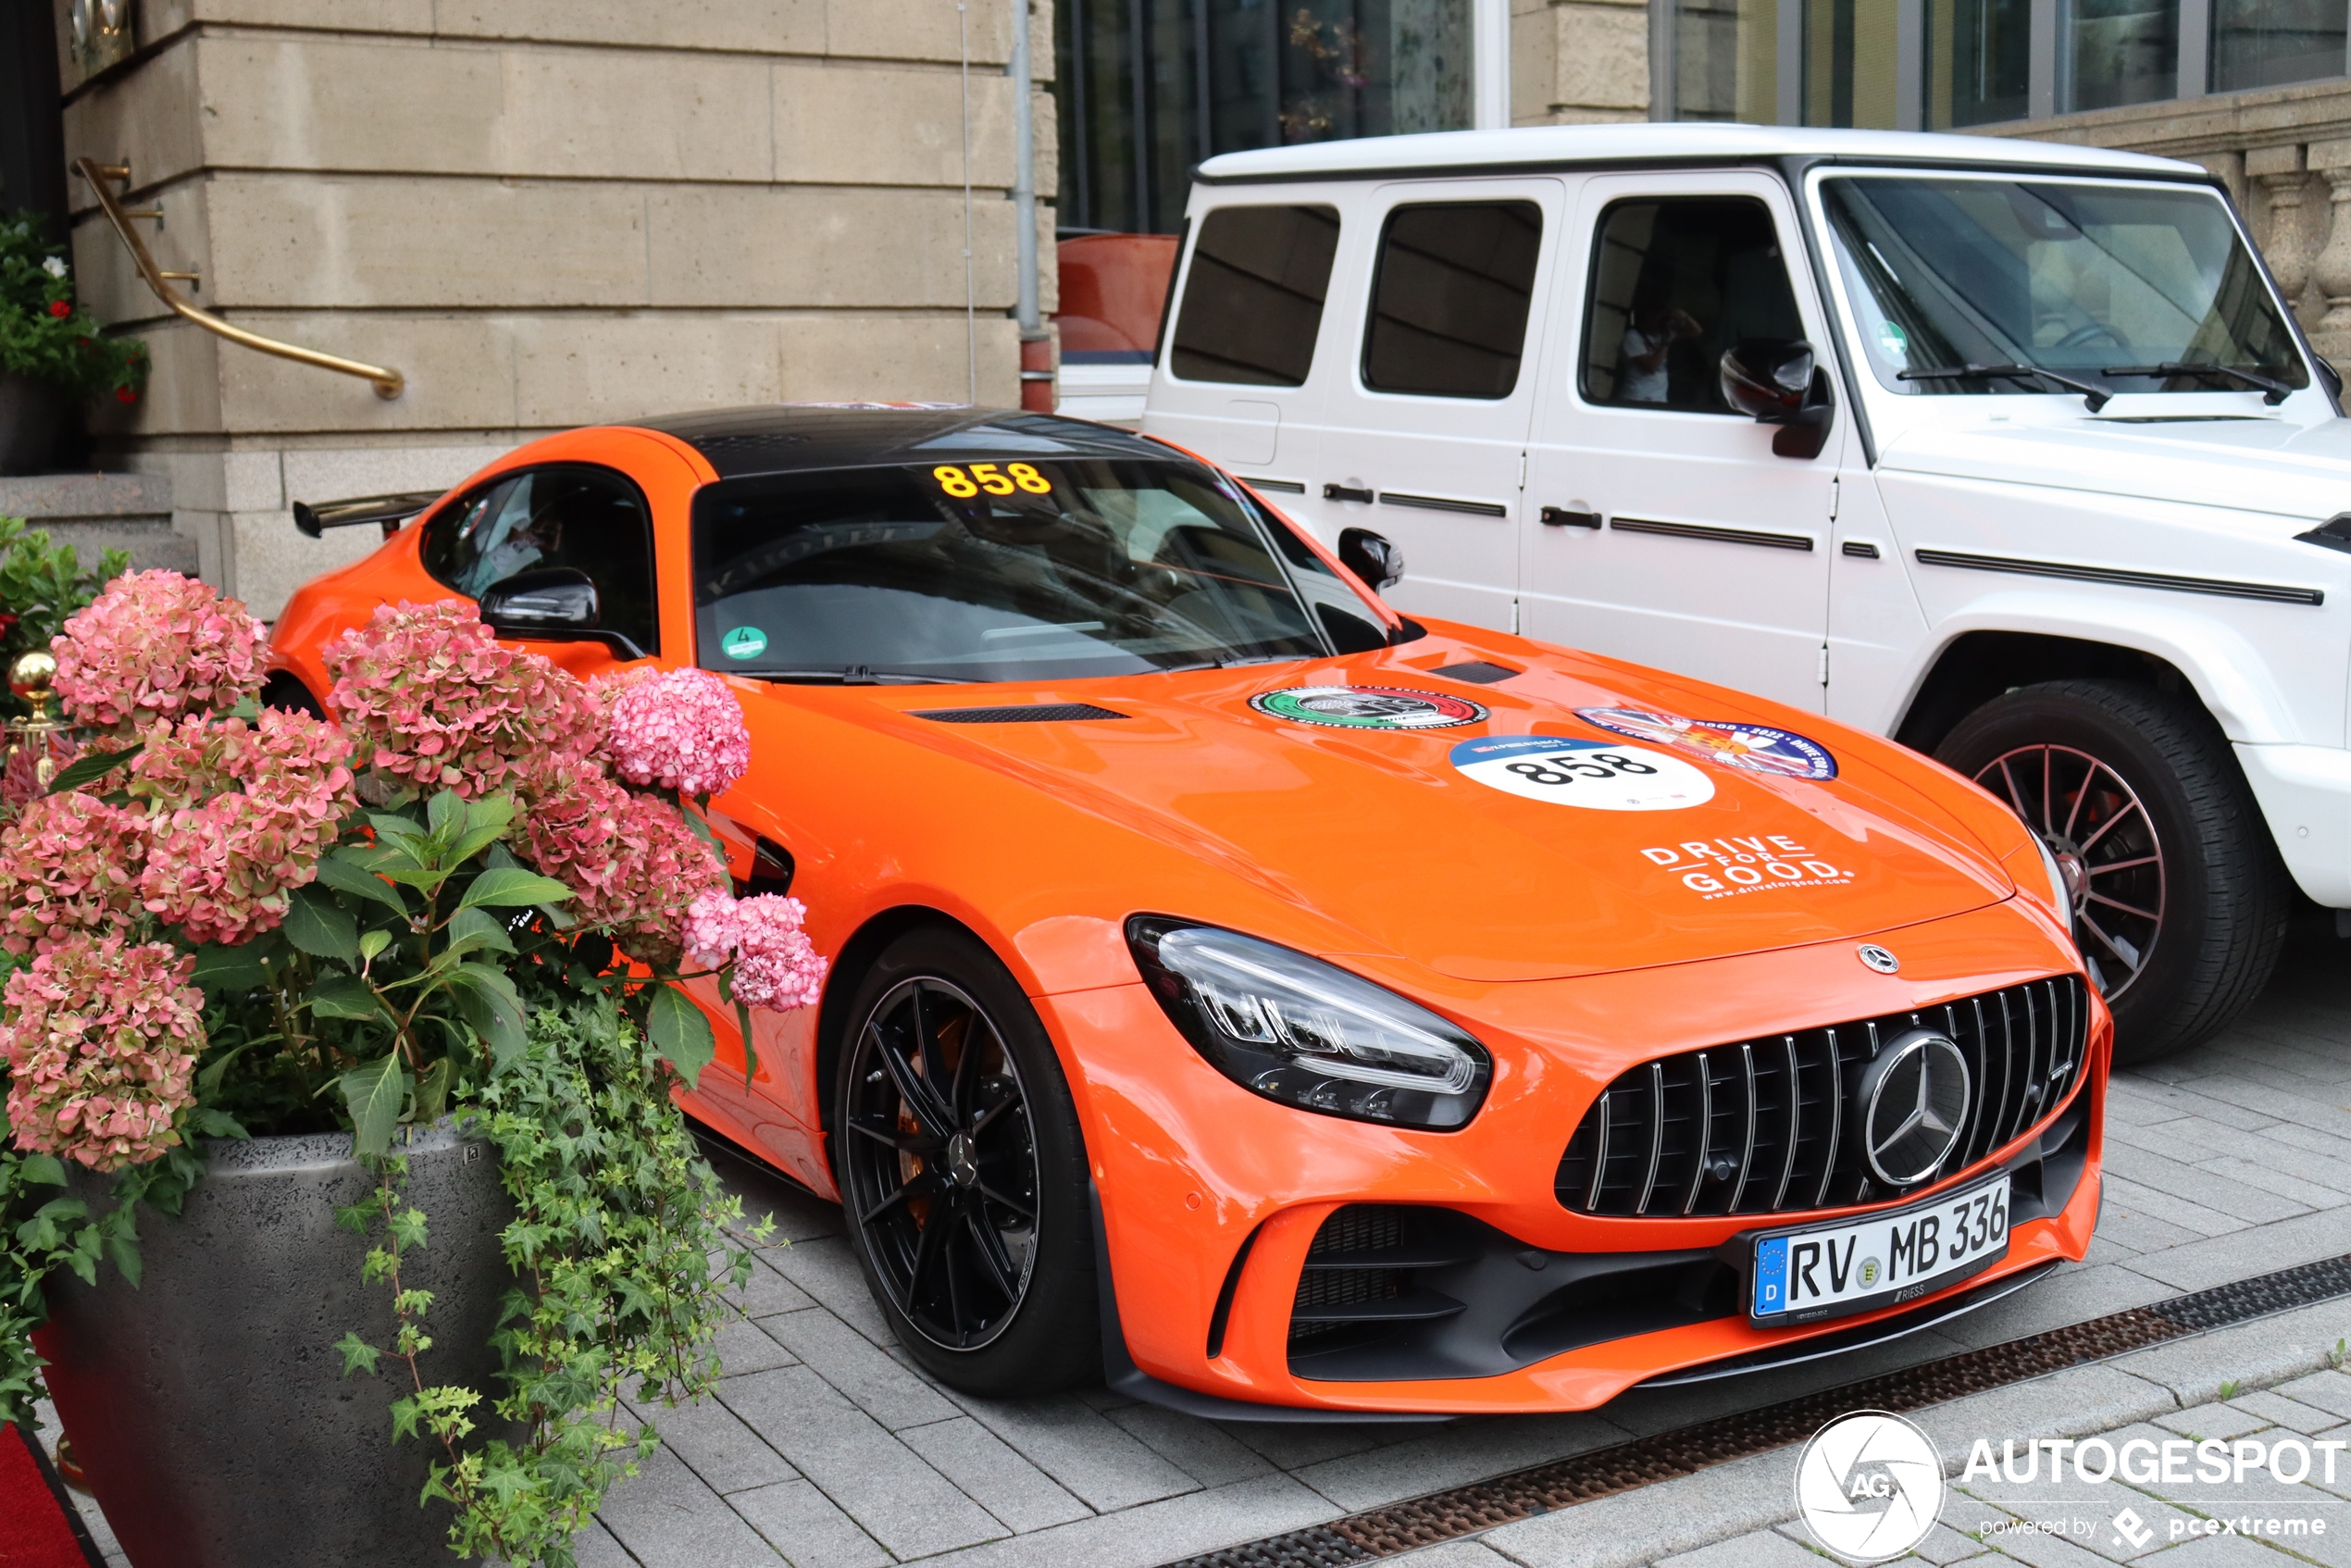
1559,518
1344,493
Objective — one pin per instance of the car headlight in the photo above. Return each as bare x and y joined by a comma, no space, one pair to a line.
2061,896
1309,1033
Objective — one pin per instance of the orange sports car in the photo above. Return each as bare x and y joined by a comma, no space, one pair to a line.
1284,1007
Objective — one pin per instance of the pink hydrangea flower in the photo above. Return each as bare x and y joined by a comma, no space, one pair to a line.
68,863
710,931
100,1037
435,701
775,965
633,864
157,644
680,730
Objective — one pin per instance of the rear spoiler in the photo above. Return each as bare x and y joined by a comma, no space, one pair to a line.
387,511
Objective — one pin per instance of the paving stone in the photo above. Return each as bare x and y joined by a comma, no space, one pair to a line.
876,1480
2073,1403
2198,1265
1083,1449
1757,1548
2192,1184
854,1364
803,1523
1943,1544
1200,1449
1160,1532
1640,1526
742,1347
2279,1410
594,1548
2140,1198
2328,1390
1471,1553
827,1271
2225,1422
669,1519
1452,1458
2225,1551
2294,1189
1292,1445
2046,1550
987,1470
769,1293
2255,1354
2073,1293
716,1446
2142,1232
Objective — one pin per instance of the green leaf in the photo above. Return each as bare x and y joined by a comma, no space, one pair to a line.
316,924
486,999
91,767
751,1050
446,814
372,943
46,1169
230,968
471,928
374,1093
513,886
680,1033
358,1354
345,873
343,996
393,828
432,1095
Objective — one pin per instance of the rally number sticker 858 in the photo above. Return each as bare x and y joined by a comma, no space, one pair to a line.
1595,775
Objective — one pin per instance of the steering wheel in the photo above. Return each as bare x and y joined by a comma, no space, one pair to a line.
2085,335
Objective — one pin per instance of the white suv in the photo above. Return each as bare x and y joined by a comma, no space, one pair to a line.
2006,449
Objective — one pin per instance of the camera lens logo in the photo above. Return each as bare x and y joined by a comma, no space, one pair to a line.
1869,1486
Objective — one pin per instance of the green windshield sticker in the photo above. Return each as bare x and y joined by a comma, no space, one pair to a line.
744,643
1893,339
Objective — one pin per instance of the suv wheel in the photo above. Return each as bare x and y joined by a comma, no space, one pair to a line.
963,1171
2179,900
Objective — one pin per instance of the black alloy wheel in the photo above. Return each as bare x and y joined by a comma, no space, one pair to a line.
962,1173
2179,898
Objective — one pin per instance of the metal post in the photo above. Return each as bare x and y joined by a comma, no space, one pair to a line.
1023,167
1490,64
1664,86
1789,27
2042,68
2195,49
1909,64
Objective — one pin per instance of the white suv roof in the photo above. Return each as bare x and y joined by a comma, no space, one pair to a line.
1541,144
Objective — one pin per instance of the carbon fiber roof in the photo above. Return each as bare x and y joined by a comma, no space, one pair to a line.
785,438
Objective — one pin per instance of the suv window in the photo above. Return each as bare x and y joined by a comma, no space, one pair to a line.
1253,299
569,515
1676,281
1450,298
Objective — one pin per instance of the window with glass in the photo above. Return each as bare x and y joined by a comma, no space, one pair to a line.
1726,60
1979,57
1023,568
1253,296
590,519
2271,43
1968,286
2120,52
1450,297
1849,63
1675,281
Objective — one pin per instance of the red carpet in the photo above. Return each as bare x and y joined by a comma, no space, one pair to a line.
34,1531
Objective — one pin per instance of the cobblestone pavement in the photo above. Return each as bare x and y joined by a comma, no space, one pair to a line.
825,1449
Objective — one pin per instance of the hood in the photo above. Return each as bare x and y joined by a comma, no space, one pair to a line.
1566,820
2303,471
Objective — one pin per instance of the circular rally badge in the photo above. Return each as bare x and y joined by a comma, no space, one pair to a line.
1591,774
1367,707
1751,748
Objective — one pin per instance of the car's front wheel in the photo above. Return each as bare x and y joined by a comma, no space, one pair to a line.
2180,900
963,1171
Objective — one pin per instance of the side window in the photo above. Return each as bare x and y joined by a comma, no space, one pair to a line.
1449,299
590,519
1674,282
1253,299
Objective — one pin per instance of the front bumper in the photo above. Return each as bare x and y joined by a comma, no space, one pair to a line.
1192,1169
2305,794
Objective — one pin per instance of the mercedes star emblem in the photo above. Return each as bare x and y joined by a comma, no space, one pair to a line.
1879,959
1914,1104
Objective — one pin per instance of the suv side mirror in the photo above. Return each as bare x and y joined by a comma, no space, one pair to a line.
1373,557
548,602
1779,381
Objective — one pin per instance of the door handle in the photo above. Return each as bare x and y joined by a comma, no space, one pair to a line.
1346,492
1559,517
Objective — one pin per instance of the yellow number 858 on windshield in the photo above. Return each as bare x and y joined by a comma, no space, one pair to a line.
962,484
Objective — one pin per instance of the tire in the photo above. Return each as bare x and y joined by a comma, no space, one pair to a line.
969,1210
2180,900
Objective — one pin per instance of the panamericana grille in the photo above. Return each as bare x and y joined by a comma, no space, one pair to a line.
1765,1125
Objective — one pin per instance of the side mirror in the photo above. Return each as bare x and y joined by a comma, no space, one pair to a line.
1373,557
1779,381
555,602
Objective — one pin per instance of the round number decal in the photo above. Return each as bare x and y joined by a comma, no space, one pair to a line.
1751,748
1368,707
744,643
1591,774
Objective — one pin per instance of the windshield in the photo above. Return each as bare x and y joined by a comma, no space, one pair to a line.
2131,288
1035,570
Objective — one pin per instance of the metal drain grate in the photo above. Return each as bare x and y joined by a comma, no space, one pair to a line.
1563,1483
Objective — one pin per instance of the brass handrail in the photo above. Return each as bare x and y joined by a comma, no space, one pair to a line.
388,383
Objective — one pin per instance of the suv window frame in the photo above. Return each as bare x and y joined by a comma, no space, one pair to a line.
1371,316
451,510
1180,284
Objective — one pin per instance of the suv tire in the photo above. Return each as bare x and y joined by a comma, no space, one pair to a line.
963,1171
2180,900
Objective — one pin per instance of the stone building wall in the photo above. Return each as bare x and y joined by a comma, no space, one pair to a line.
1578,62
543,213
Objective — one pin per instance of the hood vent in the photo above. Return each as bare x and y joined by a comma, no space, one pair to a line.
1026,712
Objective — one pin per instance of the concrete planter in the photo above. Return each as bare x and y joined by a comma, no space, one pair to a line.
208,1406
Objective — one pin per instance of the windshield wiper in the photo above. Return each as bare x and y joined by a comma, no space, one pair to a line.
1231,663
860,675
2097,397
2273,392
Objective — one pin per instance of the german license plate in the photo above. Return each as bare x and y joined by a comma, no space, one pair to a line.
1832,1270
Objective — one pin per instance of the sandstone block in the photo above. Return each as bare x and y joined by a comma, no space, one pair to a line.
768,246
926,29
1603,58
148,119
321,103
826,119
622,115
841,355
760,27
106,276
2273,160
573,370
459,370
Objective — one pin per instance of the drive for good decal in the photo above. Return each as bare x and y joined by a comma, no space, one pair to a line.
1726,868
1368,707
1591,774
1732,743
